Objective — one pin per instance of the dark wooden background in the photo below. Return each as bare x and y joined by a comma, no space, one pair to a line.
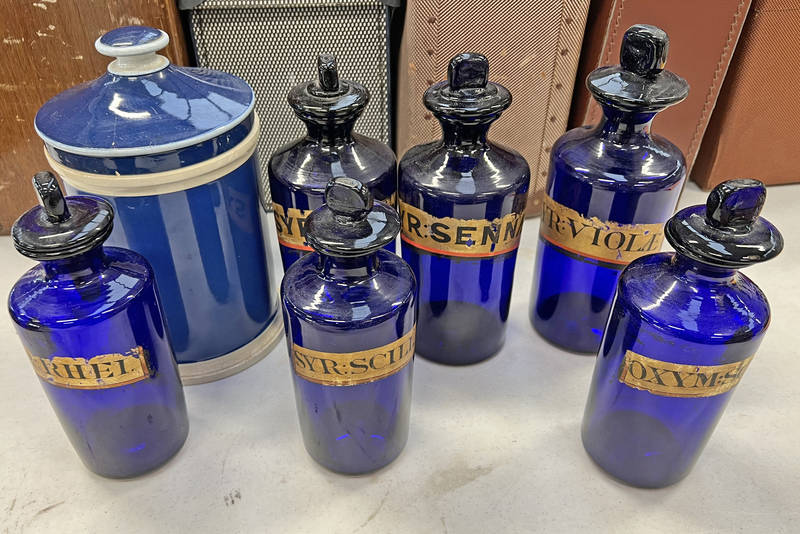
47,46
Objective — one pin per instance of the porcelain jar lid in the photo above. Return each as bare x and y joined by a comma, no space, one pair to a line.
143,105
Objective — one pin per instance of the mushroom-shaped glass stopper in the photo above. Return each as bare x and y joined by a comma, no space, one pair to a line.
468,71
644,50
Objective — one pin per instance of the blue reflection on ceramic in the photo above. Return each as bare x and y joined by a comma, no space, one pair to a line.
169,118
218,281
204,241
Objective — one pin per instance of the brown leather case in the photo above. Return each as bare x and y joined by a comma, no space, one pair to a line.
753,131
533,50
47,47
703,36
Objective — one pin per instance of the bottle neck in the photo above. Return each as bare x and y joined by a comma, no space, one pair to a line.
625,126
695,270
351,269
459,134
82,266
331,133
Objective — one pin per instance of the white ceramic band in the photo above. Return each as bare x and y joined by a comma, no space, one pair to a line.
160,183
234,361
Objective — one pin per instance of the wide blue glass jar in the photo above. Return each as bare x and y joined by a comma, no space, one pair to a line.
300,170
173,149
461,202
350,312
609,192
92,325
682,331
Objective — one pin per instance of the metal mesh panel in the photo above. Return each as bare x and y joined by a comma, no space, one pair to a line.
274,45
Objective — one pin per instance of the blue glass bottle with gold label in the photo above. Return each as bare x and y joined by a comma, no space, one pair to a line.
300,171
350,311
610,190
461,202
91,322
683,329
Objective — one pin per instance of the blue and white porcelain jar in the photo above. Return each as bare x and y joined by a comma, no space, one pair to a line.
173,149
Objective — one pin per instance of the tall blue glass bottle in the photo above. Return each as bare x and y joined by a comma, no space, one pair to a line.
300,171
610,190
350,311
461,202
682,331
91,322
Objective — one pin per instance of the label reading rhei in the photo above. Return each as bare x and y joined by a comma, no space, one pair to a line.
606,241
352,368
98,372
448,236
680,380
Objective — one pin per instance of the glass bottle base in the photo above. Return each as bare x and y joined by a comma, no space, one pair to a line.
107,460
636,449
458,333
555,318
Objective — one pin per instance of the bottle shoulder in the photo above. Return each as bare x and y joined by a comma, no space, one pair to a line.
650,163
464,173
36,301
306,293
308,164
702,309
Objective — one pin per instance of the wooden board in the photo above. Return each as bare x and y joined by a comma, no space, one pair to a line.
47,46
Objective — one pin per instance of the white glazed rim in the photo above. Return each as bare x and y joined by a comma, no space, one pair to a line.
146,150
235,361
158,183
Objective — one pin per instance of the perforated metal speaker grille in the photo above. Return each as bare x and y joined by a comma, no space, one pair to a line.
274,45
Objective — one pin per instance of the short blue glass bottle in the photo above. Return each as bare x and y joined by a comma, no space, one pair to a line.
461,201
683,328
350,311
300,170
609,192
91,322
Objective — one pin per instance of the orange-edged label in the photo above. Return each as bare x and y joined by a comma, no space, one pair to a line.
291,224
98,372
680,380
353,368
468,238
606,241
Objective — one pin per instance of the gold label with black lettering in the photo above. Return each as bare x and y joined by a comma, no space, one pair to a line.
352,368
469,238
98,372
606,241
680,380
291,225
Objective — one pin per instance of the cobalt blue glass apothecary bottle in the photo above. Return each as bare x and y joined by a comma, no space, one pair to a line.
300,170
173,149
91,323
461,202
610,190
350,311
682,331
